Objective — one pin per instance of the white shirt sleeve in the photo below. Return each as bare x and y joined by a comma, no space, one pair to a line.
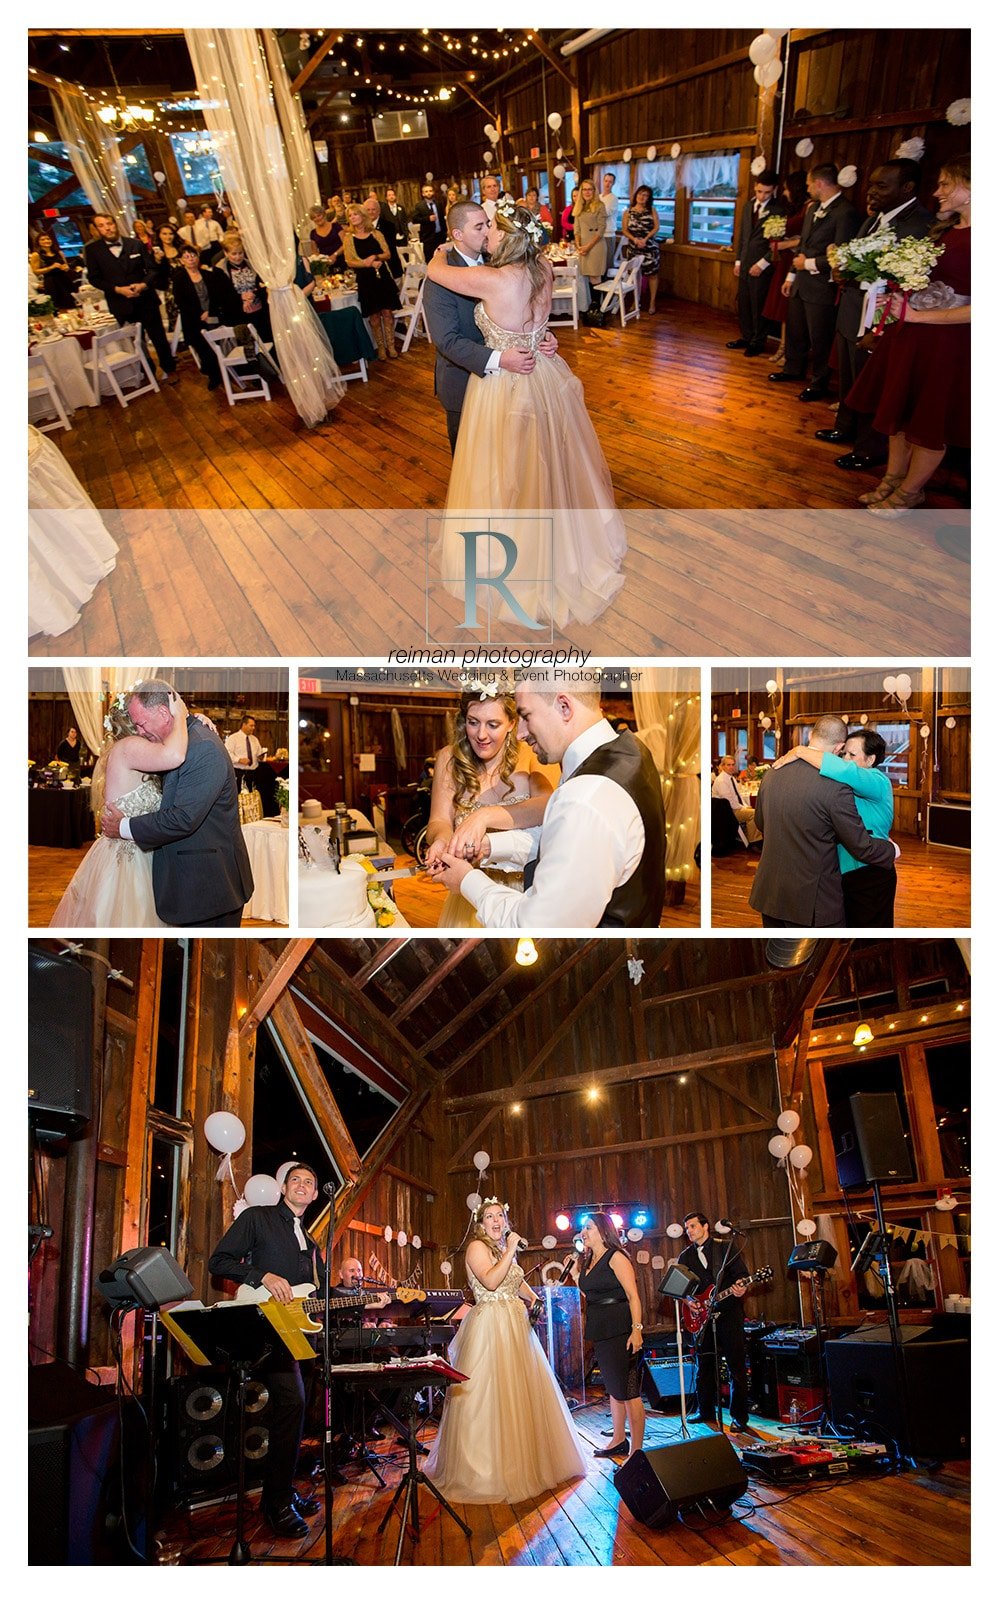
493,364
124,830
514,848
592,842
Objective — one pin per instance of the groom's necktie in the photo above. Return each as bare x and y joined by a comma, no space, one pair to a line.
249,754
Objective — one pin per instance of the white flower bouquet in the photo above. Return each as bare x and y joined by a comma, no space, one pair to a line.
908,263
775,227
860,259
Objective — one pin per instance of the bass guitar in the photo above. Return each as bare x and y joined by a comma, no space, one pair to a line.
306,1304
698,1310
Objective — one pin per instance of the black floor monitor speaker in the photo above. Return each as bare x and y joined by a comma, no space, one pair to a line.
74,1487
869,1141
865,1395
203,1427
656,1484
661,1381
60,1043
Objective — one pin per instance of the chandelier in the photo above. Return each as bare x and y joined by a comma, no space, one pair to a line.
123,118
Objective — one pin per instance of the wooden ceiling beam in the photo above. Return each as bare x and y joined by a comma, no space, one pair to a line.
384,953
351,991
277,975
350,1199
610,1076
550,56
813,989
602,1150
906,1027
530,998
462,1017
754,980
315,61
453,958
105,33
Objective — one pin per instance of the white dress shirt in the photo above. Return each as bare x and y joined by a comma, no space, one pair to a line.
207,231
610,204
726,787
236,749
591,840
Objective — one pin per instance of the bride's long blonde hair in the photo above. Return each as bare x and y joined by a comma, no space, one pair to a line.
466,767
118,724
521,244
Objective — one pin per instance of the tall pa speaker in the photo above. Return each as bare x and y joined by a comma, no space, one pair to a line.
657,1484
661,1380
203,1430
868,1140
60,1043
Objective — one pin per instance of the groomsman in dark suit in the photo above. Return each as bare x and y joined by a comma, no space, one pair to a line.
394,219
811,291
892,208
428,213
124,272
752,268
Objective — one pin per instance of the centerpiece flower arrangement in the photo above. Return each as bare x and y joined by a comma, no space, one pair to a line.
281,793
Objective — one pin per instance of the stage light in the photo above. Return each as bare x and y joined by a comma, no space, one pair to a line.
617,1221
562,1222
639,1218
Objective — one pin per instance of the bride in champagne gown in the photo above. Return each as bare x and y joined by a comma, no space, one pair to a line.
505,1434
485,772
113,887
527,453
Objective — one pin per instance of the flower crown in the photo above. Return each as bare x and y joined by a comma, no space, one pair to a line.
118,702
508,209
488,1203
488,687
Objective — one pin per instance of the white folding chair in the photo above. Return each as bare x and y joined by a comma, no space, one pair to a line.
175,336
115,353
626,282
238,382
411,315
565,289
616,258
42,391
405,253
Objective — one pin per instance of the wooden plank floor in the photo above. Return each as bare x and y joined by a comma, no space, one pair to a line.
246,533
910,1519
934,887
49,874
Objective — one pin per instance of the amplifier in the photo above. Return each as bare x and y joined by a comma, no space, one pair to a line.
949,826
661,1381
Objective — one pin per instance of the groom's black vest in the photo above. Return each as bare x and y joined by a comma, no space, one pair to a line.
639,901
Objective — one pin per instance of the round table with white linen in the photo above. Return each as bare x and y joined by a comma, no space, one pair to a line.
267,846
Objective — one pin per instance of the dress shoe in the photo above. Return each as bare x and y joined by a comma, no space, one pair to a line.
752,350
833,435
305,1506
286,1520
611,1450
171,378
858,463
784,377
738,344
737,1425
815,391
897,503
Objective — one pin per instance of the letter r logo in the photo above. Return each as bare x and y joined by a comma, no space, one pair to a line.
497,582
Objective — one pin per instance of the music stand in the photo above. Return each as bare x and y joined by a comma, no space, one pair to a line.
238,1337
678,1284
413,1476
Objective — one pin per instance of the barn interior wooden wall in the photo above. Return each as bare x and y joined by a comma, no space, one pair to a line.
582,1085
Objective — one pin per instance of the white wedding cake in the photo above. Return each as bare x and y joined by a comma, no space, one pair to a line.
331,898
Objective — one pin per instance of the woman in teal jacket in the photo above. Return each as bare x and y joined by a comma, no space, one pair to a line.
869,891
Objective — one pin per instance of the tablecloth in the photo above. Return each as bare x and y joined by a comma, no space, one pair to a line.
267,846
60,818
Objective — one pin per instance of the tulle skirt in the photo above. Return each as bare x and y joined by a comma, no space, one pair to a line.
112,887
527,455
505,1434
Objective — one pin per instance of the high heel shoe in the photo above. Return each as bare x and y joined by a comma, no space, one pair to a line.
875,496
898,503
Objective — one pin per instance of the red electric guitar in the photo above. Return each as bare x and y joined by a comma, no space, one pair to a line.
696,1311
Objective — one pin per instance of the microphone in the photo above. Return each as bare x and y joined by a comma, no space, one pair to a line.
522,1244
329,1189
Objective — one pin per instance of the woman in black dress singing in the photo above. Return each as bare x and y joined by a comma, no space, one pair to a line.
614,1326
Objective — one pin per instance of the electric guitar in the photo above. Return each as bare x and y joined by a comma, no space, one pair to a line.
698,1310
306,1303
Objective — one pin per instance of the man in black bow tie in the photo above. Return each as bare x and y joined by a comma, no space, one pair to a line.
811,291
752,267
892,208
124,272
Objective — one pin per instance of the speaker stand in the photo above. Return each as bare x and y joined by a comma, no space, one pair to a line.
685,1430
903,1444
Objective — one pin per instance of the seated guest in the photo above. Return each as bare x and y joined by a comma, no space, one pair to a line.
198,293
244,297
325,236
70,750
640,225
56,275
726,787
208,235
541,213
125,273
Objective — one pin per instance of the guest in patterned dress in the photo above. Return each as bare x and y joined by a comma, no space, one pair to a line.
640,225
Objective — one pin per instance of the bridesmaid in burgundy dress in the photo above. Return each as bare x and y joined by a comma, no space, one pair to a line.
918,381
796,197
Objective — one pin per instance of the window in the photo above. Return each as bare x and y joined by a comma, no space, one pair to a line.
283,1124
949,1072
661,176
170,1027
712,181
769,747
138,169
163,1192
898,736
199,168
43,175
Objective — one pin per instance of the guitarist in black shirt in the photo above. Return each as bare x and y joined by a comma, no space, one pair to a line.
718,1263
267,1246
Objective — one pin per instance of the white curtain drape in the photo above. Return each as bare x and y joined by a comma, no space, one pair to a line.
95,157
299,153
87,687
699,173
232,79
668,719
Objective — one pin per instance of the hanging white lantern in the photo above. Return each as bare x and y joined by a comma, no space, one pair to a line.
910,150
675,1229
804,148
428,177
548,1241
959,114
847,177
925,731
401,1239
554,121
415,1241
446,1268
675,150
642,1257
763,48
387,1233
950,722
658,1262
627,154
651,153
634,1234
788,1121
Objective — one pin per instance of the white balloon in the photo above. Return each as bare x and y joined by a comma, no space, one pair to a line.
388,1233
225,1132
925,731
261,1191
488,156
651,153
472,1200
657,1262
428,177
771,685
800,1156
554,121
758,164
768,75
776,33
765,721
559,153
159,177
675,150
904,685
559,171
675,1229
788,1121
763,48
416,1242
627,154
889,684
806,1228
804,147
401,1239
489,130
779,1145
282,1172
548,1241
446,1267
847,177
481,1160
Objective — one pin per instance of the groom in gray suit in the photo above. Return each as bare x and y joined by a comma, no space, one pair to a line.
201,870
461,349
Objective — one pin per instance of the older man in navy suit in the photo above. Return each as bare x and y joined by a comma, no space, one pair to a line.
461,350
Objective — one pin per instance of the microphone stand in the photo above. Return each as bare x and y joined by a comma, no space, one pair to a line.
685,1430
328,1465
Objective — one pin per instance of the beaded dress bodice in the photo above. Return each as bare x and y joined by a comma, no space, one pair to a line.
508,1287
501,338
141,801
